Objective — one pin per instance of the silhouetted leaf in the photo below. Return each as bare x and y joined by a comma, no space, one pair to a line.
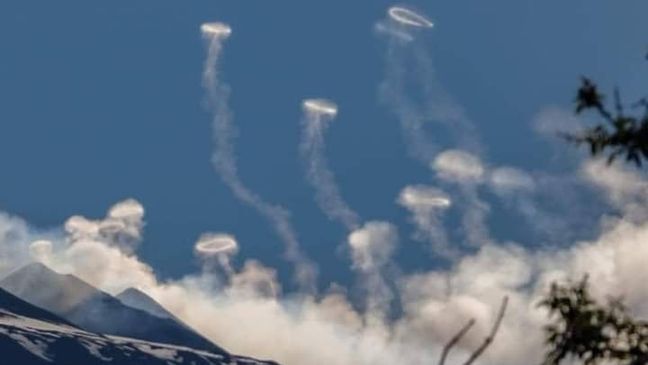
585,330
621,134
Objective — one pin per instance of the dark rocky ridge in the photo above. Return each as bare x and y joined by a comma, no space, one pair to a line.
96,311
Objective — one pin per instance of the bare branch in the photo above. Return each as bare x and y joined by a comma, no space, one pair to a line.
488,340
453,341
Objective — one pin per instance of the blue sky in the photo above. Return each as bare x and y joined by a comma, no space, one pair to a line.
103,101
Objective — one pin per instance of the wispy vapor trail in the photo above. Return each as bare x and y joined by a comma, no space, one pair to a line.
467,172
224,157
427,205
413,93
392,93
317,116
371,245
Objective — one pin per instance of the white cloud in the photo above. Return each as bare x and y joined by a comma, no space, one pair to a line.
121,228
621,185
249,314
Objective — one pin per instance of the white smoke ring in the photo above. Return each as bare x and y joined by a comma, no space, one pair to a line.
220,30
217,248
216,244
321,107
409,17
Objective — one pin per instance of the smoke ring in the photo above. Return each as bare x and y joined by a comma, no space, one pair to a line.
409,17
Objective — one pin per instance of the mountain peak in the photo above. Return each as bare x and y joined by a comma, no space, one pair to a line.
96,311
35,267
136,298
41,286
12,304
31,335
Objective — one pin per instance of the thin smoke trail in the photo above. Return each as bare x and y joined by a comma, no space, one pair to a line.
224,158
371,245
474,220
427,205
426,105
392,93
318,116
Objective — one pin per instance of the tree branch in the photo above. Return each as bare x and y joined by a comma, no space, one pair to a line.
488,340
453,341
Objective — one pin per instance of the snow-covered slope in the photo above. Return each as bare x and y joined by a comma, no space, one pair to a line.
96,311
32,336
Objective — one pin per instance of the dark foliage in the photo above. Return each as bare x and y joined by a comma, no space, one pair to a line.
591,332
620,135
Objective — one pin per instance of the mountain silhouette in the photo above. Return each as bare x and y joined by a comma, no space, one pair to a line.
30,335
96,311
137,299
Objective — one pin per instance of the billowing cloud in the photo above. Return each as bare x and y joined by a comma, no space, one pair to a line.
250,314
122,226
622,186
41,250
